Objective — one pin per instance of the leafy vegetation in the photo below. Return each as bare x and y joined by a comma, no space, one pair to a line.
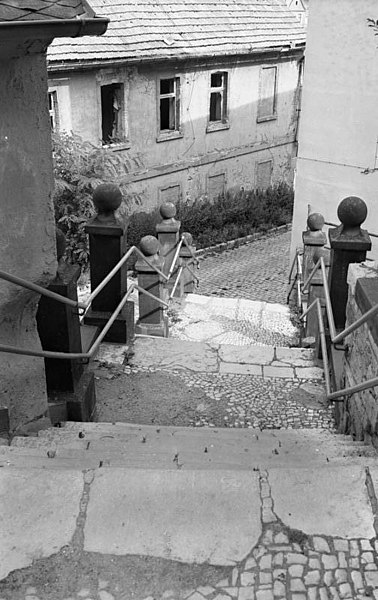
228,217
79,167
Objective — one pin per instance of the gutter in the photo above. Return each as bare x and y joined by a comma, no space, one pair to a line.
87,64
51,28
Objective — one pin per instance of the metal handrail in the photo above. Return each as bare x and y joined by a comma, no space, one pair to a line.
334,336
85,305
195,258
97,342
335,225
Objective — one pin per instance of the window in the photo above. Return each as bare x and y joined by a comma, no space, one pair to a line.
112,120
218,101
53,111
216,185
171,193
268,89
169,105
263,177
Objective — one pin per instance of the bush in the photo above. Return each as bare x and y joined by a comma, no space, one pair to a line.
228,217
79,167
236,215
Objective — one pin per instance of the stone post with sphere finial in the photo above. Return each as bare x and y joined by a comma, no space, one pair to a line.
349,244
107,245
313,238
168,236
70,385
153,319
187,282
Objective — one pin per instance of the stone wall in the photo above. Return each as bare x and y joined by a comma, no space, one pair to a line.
27,230
358,415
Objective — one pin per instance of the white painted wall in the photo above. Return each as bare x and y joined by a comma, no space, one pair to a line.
338,130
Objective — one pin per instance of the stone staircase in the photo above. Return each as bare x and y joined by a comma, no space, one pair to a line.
236,479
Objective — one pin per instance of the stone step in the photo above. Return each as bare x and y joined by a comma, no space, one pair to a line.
233,321
173,354
94,445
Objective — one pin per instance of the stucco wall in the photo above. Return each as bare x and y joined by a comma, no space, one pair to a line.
358,414
189,159
27,232
337,151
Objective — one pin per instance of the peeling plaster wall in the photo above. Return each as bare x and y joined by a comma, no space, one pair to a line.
189,160
27,230
337,151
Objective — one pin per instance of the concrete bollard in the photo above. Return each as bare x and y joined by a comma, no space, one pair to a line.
70,386
152,315
349,244
168,235
107,244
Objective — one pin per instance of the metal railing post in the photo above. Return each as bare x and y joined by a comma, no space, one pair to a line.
349,244
107,243
152,316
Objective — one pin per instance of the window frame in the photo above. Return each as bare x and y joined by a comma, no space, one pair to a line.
262,162
223,122
122,140
213,176
53,110
164,135
271,116
163,188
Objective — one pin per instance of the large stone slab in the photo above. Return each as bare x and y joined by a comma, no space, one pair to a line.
329,501
174,354
38,511
189,516
257,355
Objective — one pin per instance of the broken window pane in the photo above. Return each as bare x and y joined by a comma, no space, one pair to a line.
111,112
216,79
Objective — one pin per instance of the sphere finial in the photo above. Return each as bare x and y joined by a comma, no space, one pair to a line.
168,210
107,197
352,211
315,221
188,238
149,245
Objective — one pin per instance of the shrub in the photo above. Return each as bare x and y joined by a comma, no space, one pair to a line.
79,167
228,217
236,215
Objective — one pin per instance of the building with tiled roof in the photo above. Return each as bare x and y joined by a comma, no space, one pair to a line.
204,93
147,30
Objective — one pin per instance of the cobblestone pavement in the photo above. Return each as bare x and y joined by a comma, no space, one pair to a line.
201,384
286,564
255,271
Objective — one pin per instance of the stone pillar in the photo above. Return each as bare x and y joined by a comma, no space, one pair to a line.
70,387
168,236
349,244
313,238
152,315
107,243
187,281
